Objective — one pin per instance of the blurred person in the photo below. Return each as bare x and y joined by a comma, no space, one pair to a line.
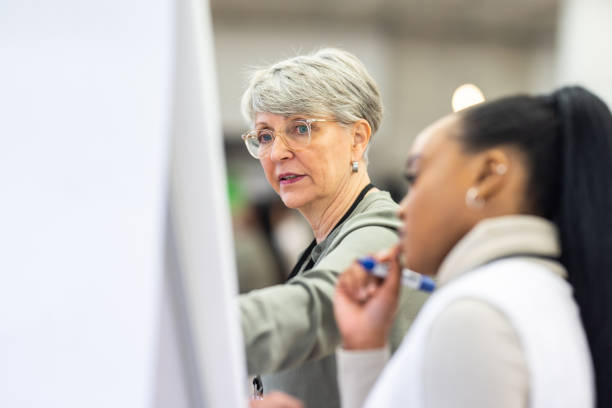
255,258
256,263
290,234
313,117
510,207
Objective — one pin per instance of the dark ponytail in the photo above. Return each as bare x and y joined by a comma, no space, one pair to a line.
566,138
585,221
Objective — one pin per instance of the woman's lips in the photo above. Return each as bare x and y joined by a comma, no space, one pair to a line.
285,179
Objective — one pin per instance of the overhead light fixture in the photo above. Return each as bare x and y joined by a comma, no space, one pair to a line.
465,96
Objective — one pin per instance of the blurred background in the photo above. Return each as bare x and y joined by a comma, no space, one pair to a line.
419,52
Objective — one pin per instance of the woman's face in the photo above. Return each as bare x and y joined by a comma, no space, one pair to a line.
433,212
321,168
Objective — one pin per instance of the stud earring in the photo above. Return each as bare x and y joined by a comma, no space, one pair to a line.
473,200
355,166
501,169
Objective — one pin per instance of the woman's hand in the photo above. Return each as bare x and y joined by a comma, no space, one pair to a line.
364,305
276,400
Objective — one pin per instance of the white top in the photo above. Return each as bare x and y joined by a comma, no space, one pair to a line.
492,337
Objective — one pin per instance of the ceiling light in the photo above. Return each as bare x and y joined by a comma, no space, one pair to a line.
465,96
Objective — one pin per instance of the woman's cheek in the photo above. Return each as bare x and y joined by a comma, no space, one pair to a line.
418,227
409,228
268,169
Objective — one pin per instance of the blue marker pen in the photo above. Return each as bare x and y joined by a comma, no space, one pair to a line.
410,278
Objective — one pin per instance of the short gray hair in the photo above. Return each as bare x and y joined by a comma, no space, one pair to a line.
329,81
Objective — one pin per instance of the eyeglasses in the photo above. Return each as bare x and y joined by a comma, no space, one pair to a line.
297,136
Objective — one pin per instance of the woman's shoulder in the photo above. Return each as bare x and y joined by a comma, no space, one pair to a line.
376,209
372,226
378,199
375,216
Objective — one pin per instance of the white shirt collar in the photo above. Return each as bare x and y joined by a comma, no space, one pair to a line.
498,237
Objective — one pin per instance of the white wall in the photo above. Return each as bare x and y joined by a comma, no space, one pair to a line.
585,46
84,114
95,98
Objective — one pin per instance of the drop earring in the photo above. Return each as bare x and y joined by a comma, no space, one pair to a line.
355,166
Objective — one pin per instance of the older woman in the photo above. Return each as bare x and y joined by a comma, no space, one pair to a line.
518,229
313,117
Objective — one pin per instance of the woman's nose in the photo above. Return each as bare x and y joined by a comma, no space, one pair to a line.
402,207
279,150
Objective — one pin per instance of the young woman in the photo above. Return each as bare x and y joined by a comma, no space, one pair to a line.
511,208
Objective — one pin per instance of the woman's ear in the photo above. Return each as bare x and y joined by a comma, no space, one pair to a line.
492,169
361,134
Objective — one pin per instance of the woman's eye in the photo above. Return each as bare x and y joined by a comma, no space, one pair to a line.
265,137
410,178
301,129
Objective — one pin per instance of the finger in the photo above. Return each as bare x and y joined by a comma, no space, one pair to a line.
349,288
368,286
392,282
372,287
394,257
348,283
353,279
289,401
388,255
277,400
344,297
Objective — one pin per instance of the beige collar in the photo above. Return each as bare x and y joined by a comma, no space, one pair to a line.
499,237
